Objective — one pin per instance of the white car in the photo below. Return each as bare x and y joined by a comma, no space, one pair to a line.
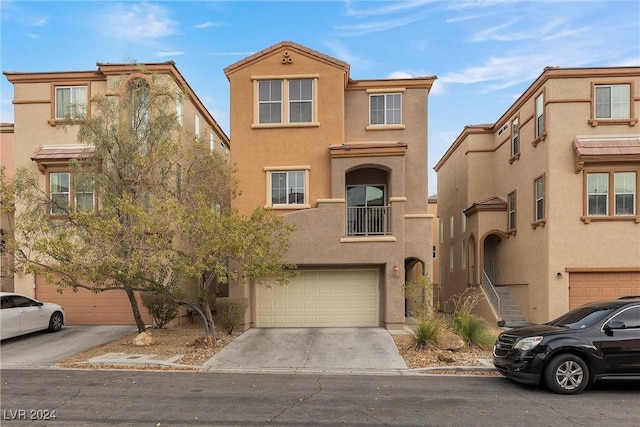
20,315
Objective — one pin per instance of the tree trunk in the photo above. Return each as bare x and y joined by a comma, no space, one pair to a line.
134,307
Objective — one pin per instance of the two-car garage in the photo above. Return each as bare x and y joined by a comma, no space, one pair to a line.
321,298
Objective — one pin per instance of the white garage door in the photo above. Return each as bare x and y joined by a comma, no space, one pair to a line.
321,298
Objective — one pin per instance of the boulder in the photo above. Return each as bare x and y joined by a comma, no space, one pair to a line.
143,339
449,341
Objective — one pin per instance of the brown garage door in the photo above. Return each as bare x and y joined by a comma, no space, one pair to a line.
585,287
86,308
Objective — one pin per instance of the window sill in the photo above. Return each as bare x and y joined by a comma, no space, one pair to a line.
284,125
605,122
385,127
538,140
287,207
629,218
514,158
539,223
62,122
512,232
366,239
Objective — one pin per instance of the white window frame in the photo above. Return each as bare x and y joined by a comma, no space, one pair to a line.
539,115
391,109
308,101
283,102
288,171
539,199
597,192
633,191
451,226
71,195
618,104
179,108
75,108
197,127
512,201
515,131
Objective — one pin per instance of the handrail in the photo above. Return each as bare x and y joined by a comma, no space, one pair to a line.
490,290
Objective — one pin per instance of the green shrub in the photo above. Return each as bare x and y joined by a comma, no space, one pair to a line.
425,332
471,328
162,308
229,312
419,296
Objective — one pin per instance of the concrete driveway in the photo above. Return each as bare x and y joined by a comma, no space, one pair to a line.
310,349
44,349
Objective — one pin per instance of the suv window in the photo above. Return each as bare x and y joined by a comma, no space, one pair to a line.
630,317
582,317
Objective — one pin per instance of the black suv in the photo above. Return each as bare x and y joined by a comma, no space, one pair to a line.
596,341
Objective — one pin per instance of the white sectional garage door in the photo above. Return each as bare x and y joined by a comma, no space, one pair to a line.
321,298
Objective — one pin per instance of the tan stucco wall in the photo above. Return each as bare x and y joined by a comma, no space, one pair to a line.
477,166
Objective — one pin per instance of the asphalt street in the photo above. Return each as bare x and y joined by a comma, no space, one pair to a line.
145,398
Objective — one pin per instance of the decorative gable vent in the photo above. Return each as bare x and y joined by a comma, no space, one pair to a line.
286,58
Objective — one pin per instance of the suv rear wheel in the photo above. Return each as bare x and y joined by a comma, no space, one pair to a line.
566,374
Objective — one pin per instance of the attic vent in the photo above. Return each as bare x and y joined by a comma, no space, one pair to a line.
503,129
286,58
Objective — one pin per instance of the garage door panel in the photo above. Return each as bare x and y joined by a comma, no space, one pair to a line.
321,298
595,286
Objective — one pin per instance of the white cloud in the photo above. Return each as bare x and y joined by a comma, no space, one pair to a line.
164,54
209,24
140,21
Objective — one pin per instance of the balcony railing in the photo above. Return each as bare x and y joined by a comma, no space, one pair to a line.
368,221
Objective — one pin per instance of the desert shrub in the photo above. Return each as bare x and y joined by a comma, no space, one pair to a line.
162,308
419,296
229,312
471,328
425,332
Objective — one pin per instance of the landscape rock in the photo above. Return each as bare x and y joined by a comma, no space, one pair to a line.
143,339
450,341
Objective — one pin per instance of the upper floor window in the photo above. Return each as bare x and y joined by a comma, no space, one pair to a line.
288,187
463,222
539,199
300,101
197,127
385,109
139,105
179,108
511,207
540,115
515,144
623,187
451,226
64,196
71,102
612,101
286,101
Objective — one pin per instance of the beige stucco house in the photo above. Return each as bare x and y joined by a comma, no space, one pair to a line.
541,207
6,163
345,162
42,101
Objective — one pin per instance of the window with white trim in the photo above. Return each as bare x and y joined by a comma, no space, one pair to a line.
539,199
463,255
463,222
385,109
623,186
197,127
451,227
612,101
288,187
539,115
451,263
511,207
441,231
286,101
179,108
64,195
71,102
212,142
515,145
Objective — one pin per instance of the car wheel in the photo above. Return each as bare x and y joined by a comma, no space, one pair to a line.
55,323
566,374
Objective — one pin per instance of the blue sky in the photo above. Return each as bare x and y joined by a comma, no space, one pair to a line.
485,53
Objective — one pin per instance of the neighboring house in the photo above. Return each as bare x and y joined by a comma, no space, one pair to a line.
435,275
542,205
345,162
41,103
6,163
